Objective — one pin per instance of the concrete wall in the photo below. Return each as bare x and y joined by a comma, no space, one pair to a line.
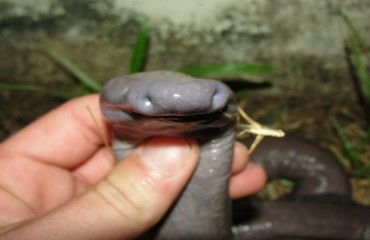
302,39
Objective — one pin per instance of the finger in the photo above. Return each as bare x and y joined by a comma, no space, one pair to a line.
91,171
64,137
240,159
247,177
128,201
249,181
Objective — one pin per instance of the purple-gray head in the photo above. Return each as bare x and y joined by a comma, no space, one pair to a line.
166,102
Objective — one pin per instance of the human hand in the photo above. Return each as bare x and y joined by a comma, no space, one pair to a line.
58,179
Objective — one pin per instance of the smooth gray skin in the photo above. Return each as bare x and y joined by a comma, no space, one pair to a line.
171,104
320,206
314,170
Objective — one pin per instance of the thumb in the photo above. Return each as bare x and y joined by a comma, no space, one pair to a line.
131,199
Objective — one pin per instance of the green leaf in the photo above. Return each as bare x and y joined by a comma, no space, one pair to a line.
140,50
72,68
227,70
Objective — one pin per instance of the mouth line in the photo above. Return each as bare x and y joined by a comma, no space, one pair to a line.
179,117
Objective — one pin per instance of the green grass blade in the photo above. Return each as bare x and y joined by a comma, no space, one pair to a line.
346,19
286,182
30,87
64,94
20,87
360,68
72,68
227,70
140,50
364,171
346,144
355,44
241,94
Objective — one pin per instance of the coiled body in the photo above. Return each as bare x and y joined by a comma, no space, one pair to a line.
320,205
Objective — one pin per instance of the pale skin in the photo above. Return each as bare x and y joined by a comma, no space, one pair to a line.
58,180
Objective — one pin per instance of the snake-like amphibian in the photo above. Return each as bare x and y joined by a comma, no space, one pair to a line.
164,103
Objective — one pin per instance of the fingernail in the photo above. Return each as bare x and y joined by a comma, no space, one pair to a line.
167,156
